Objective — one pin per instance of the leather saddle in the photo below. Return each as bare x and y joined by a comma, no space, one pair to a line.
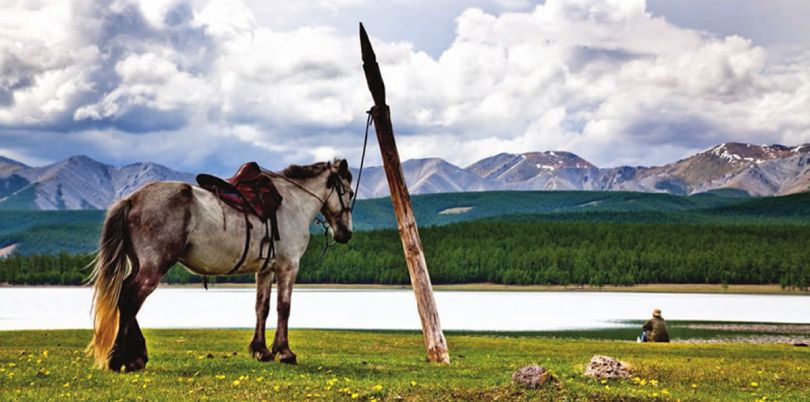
251,192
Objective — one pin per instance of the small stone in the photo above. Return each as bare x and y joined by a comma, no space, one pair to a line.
606,368
532,377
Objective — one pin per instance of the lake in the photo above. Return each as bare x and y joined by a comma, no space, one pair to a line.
69,307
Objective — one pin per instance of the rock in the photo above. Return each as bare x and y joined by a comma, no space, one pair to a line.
532,377
606,368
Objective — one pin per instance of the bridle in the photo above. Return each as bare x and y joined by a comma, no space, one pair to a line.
335,183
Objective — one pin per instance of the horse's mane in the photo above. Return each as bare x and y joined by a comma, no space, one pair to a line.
309,171
304,171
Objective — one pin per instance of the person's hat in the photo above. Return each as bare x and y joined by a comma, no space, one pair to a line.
657,312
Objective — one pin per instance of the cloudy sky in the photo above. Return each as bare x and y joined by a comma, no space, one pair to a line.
205,85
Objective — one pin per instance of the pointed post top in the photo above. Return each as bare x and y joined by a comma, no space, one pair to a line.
372,69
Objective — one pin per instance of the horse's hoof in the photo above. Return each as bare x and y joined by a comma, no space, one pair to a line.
288,358
259,352
115,365
136,365
115,362
262,355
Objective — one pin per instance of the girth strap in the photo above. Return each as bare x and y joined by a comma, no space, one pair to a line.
248,227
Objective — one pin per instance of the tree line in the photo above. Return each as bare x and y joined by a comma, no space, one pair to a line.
523,253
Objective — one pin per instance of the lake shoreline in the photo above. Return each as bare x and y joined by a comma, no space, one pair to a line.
478,287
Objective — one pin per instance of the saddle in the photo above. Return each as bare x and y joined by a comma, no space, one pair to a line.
251,192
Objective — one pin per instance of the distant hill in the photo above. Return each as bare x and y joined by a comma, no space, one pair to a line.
439,209
77,231
790,206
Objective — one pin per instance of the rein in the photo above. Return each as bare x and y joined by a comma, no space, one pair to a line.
285,178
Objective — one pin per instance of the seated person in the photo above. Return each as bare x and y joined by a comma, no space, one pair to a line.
656,328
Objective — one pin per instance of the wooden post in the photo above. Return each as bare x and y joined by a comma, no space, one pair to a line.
406,223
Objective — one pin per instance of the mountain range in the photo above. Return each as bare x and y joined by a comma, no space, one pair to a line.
759,170
80,182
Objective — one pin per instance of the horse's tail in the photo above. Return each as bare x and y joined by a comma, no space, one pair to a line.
107,277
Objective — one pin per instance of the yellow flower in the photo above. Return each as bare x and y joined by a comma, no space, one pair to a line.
655,395
355,395
276,388
607,387
654,383
67,384
413,383
236,382
377,387
220,377
754,384
694,385
643,382
604,381
44,353
664,391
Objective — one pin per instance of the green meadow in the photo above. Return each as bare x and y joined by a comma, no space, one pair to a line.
390,366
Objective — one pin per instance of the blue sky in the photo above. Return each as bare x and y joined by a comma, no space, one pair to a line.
204,85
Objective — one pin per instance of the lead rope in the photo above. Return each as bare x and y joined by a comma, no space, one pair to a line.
362,160
322,222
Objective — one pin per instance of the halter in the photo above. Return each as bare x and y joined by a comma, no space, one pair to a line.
333,182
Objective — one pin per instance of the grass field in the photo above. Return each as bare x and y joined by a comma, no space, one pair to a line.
352,365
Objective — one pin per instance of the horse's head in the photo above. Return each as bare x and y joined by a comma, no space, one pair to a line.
338,203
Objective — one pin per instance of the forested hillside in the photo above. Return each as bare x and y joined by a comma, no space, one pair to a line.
567,238
566,253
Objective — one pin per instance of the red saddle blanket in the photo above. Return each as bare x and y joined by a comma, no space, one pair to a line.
249,191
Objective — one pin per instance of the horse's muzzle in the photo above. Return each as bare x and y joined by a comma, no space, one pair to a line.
342,235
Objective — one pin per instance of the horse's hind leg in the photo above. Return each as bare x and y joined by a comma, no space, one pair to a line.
264,286
130,346
157,228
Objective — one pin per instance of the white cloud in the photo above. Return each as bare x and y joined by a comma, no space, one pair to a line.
604,79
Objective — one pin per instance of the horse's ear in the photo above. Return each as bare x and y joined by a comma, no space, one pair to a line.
343,170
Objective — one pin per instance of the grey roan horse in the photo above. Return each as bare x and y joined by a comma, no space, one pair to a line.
164,223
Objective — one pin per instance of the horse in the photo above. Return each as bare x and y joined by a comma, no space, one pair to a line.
168,222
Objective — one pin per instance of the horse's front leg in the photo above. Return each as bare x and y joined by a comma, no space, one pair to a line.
286,279
264,286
